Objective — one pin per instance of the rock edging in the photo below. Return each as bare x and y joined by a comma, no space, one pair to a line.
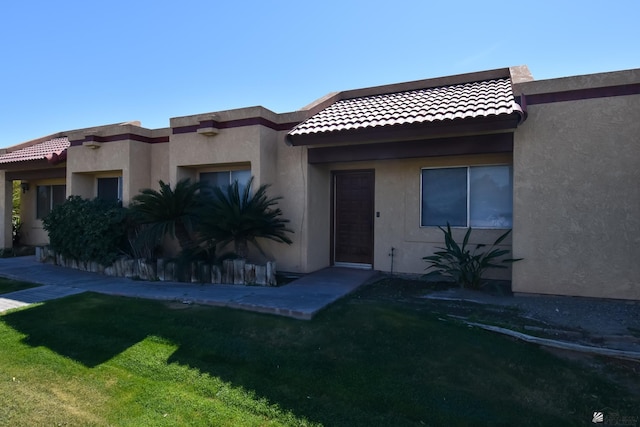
232,271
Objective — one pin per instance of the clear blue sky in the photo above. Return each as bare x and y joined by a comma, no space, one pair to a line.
73,64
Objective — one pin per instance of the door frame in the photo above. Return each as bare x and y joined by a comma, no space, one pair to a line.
332,247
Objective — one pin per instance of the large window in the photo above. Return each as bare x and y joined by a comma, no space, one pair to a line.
48,197
475,196
110,189
225,178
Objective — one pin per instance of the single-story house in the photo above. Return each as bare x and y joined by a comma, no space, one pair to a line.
368,175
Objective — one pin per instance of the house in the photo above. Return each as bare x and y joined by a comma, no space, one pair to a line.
367,175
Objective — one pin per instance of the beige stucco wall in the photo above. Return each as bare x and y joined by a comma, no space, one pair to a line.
319,216
139,164
577,193
192,153
159,164
397,199
290,180
271,161
32,231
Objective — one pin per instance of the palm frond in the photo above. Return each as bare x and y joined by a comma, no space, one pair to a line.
172,212
242,217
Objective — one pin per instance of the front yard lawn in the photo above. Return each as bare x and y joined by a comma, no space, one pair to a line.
369,360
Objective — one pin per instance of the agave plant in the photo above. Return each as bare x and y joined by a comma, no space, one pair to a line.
172,212
242,217
464,266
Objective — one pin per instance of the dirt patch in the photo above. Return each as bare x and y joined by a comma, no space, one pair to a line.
589,321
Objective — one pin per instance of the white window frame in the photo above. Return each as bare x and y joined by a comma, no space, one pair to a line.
468,219
229,171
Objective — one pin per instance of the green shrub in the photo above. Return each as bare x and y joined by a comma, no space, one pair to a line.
168,212
463,266
87,230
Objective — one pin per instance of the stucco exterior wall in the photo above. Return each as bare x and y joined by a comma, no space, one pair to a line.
398,200
319,217
191,153
271,161
84,164
32,231
159,164
577,193
293,180
127,159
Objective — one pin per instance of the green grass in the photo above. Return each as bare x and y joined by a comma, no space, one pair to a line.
8,285
377,358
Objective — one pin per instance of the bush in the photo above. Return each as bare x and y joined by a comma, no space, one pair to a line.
87,230
464,266
168,212
240,216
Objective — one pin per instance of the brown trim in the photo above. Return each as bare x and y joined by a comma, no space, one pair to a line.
578,94
250,121
26,165
120,137
414,132
32,175
464,145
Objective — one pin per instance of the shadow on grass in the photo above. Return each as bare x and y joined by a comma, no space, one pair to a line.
9,285
361,362
87,329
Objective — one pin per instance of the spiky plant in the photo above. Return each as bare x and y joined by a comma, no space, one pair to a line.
172,212
241,217
464,266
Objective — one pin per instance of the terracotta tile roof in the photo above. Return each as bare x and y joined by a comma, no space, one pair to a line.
459,101
51,150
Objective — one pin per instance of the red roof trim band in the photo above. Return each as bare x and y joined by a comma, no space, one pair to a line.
250,121
121,137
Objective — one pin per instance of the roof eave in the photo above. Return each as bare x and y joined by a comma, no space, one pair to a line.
441,129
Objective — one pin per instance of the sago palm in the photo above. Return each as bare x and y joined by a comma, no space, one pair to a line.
172,212
242,217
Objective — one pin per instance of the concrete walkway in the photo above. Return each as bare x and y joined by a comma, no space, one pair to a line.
300,299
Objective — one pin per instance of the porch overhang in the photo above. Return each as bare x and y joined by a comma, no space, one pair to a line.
435,147
397,115
413,132
52,150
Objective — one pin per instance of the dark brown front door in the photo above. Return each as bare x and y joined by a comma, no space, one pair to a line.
353,204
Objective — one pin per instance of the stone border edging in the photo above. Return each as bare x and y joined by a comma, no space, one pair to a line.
231,272
563,345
